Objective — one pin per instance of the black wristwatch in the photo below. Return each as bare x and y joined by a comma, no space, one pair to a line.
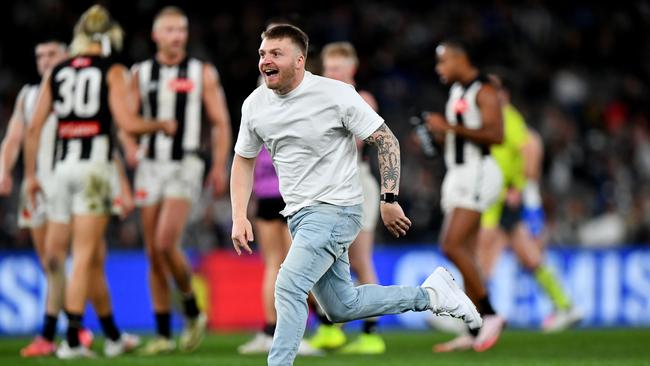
388,197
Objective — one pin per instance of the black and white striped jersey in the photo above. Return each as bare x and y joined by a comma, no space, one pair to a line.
45,157
171,92
80,96
462,110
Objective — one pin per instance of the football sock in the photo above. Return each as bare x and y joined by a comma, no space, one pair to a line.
163,324
49,327
552,287
108,326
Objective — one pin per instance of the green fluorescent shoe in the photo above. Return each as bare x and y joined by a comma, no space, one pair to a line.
366,344
328,337
157,346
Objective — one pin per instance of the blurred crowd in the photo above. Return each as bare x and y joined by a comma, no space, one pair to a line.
580,76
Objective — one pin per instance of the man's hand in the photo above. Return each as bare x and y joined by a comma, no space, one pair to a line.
126,203
33,187
218,180
168,127
394,219
242,234
6,183
437,123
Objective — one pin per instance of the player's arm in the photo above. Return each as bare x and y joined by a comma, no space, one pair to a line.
127,119
491,131
127,140
389,171
533,153
216,109
11,145
241,187
42,110
126,195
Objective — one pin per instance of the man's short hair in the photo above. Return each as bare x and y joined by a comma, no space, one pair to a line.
340,49
464,46
56,41
295,34
169,10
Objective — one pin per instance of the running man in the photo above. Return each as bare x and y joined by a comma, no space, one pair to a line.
473,181
308,124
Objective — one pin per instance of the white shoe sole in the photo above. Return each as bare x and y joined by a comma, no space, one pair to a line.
472,318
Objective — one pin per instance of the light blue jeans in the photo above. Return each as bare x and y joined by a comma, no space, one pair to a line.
318,262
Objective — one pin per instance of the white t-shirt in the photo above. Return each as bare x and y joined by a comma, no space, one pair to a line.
309,133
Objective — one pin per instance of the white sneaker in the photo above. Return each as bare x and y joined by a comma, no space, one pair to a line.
126,343
66,352
446,298
261,343
305,349
489,333
193,333
562,320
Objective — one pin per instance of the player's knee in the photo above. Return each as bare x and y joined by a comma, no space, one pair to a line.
287,287
450,249
53,264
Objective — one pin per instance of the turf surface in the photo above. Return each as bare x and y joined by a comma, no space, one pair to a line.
580,347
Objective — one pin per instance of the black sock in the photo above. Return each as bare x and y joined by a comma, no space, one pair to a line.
474,332
164,324
74,323
49,327
191,309
109,327
370,326
485,307
269,329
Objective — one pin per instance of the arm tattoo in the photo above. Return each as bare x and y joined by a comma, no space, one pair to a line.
389,157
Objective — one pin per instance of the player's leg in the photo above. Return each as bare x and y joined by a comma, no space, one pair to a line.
531,257
171,224
159,286
491,239
87,232
52,252
116,342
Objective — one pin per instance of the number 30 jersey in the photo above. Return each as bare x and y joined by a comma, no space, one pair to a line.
80,99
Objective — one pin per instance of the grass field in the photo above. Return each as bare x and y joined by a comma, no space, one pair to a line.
581,347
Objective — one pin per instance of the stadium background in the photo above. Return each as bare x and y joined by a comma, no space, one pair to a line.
580,75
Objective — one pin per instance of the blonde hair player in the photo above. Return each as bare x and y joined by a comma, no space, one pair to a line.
80,191
169,175
340,62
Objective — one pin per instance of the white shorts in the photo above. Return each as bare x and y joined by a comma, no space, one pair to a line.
156,180
80,188
30,217
473,186
370,189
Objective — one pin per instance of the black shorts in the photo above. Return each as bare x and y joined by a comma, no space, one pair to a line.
269,209
510,217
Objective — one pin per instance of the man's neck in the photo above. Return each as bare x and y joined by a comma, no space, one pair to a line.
169,58
469,76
